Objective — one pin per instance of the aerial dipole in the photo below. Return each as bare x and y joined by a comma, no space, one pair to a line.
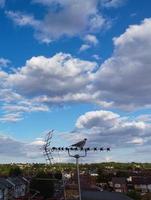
76,151
47,152
79,152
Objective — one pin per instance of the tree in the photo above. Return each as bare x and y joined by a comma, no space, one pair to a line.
103,176
58,175
15,171
44,184
134,195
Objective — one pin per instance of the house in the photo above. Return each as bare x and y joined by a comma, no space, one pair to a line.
27,184
19,186
87,181
142,184
5,189
97,195
119,184
2,191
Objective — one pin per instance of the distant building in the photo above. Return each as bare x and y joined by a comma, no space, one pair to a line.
119,184
142,184
19,186
5,189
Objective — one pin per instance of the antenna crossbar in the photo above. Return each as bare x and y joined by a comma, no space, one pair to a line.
79,149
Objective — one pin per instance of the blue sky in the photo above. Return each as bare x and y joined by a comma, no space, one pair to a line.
80,68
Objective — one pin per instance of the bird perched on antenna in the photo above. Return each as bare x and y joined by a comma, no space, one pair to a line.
79,144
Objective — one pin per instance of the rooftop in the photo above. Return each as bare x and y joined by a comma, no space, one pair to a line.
97,195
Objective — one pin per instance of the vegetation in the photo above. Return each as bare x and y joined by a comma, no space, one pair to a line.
134,195
33,169
15,171
44,184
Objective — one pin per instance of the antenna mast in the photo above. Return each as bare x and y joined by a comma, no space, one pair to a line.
46,147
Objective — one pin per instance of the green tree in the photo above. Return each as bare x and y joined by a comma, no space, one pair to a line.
15,171
134,195
58,175
103,176
43,183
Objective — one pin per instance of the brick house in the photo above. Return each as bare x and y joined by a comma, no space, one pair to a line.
119,184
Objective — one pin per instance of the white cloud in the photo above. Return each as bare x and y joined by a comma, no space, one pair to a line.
4,62
96,56
109,128
22,19
121,81
125,77
122,134
38,141
97,22
24,151
90,40
11,117
43,83
52,76
7,95
22,107
144,117
84,47
97,119
75,18
136,140
10,147
112,3
14,109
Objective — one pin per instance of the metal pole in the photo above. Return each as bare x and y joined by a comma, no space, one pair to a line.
64,189
78,176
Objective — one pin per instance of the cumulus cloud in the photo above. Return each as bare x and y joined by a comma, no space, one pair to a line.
67,18
122,81
97,119
45,82
137,140
22,19
52,76
12,148
124,78
96,57
84,47
15,112
145,117
4,62
128,137
112,3
90,41
11,117
24,107
109,128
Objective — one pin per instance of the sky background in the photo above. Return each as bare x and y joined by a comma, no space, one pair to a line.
81,68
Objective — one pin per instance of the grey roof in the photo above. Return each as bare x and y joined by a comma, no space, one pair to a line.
5,183
141,180
16,180
120,180
2,187
97,195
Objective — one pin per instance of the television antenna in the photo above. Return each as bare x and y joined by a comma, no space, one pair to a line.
75,151
46,147
80,152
